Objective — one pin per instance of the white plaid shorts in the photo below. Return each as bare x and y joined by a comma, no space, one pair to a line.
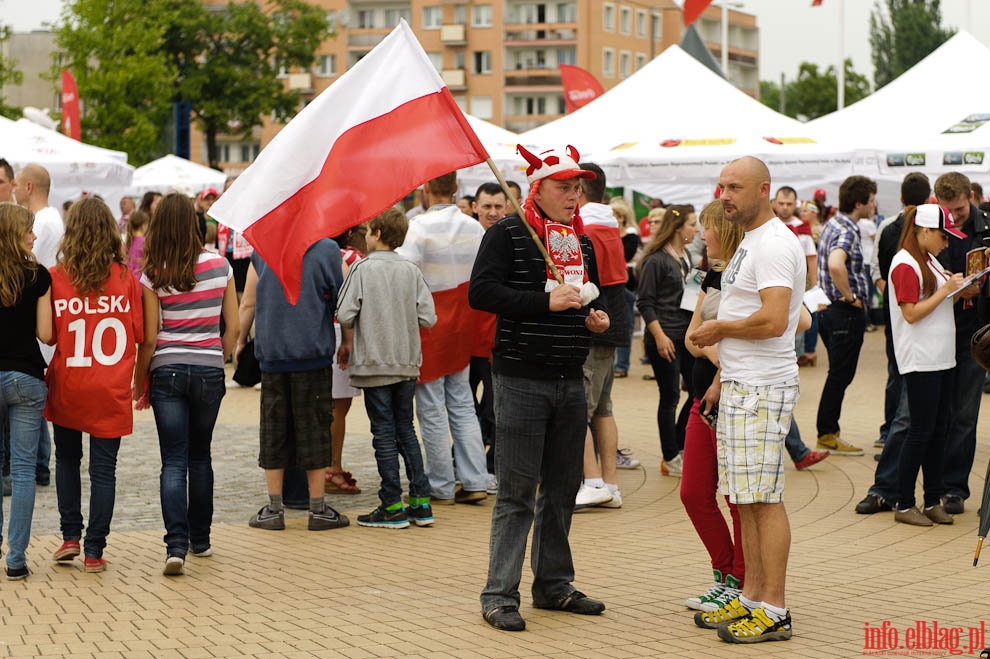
752,424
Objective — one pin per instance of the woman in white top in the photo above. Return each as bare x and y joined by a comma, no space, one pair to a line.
924,330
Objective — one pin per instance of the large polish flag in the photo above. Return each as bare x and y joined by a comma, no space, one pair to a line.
692,9
386,126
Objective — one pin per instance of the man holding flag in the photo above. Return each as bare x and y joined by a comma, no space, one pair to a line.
538,274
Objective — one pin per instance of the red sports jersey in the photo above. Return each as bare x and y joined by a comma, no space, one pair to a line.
89,378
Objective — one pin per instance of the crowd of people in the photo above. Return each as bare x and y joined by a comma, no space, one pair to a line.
500,320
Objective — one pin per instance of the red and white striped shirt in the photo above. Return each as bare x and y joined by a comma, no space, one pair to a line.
190,332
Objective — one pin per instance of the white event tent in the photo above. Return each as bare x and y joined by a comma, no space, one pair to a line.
75,167
669,129
501,147
172,173
930,119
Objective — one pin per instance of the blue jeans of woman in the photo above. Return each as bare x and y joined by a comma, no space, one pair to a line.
22,399
669,375
102,487
539,446
622,353
930,400
186,400
390,413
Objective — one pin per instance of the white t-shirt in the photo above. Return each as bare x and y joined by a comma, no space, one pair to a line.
867,234
768,256
48,231
930,343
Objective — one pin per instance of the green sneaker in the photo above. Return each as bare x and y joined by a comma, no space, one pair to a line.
733,610
709,595
730,591
758,627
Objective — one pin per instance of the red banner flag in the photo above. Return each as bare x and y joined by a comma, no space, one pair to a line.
70,106
816,3
580,86
693,9
386,126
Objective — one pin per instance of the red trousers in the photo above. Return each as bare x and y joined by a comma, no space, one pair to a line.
699,489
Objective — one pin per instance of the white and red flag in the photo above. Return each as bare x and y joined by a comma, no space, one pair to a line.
388,125
692,9
816,3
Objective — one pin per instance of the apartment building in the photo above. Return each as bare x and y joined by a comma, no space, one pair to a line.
500,58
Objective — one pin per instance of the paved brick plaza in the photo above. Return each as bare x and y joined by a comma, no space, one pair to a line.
360,593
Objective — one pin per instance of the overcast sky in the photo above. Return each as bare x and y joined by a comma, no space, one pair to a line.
791,31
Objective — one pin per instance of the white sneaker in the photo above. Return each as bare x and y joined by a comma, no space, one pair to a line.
616,501
672,467
492,487
624,459
591,496
231,384
173,566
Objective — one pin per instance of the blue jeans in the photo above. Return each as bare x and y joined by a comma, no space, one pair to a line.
892,392
448,402
22,399
102,487
186,400
42,470
796,448
960,440
930,398
811,335
539,446
669,376
885,479
390,412
622,352
842,327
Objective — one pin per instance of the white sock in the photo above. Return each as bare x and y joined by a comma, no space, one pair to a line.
749,604
612,487
594,482
775,613
903,511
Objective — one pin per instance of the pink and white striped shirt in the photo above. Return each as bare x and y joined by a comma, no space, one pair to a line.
190,332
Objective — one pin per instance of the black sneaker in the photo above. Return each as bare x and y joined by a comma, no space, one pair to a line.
953,504
420,515
873,503
266,519
385,519
18,573
327,519
575,602
506,618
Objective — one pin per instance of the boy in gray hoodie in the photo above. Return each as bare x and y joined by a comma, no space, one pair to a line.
382,304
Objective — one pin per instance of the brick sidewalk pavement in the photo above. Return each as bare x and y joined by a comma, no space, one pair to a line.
360,593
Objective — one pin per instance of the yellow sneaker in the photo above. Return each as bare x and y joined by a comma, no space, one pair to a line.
836,446
758,627
734,610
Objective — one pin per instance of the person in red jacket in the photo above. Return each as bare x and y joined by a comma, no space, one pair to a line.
97,319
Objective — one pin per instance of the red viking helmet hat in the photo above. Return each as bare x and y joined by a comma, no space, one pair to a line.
555,164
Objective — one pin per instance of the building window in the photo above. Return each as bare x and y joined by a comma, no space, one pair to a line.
332,21
566,56
481,107
625,64
657,27
459,59
641,23
483,61
393,16
481,16
326,66
460,14
436,59
625,20
567,12
432,18
608,62
366,19
640,61
608,20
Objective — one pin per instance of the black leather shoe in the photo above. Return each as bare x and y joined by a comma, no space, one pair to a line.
953,504
575,602
872,504
506,618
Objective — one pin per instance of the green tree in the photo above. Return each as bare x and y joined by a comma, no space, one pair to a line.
9,75
133,59
814,93
903,34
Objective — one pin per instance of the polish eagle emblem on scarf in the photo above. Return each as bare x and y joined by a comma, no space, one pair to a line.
564,246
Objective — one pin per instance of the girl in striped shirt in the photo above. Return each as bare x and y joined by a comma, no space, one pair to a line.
187,289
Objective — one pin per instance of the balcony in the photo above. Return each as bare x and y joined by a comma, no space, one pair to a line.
543,34
455,79
453,35
520,123
532,76
365,38
300,82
